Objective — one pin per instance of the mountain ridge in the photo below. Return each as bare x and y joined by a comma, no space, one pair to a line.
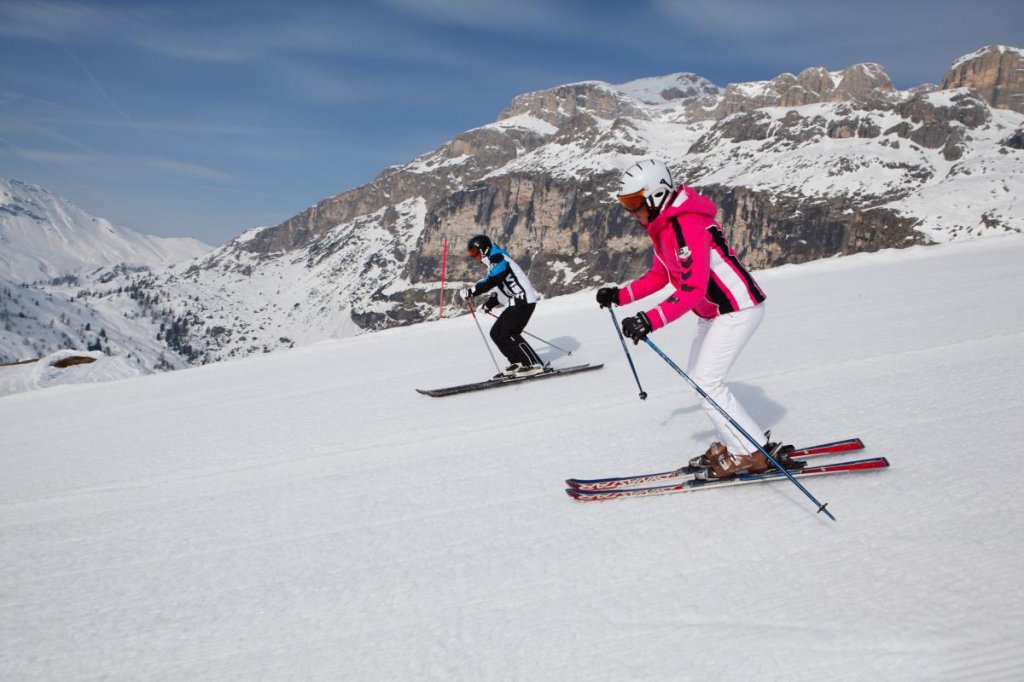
46,236
802,167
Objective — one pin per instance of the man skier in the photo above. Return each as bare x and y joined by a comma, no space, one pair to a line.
692,254
514,291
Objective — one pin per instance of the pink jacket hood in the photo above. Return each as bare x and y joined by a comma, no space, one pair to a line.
702,208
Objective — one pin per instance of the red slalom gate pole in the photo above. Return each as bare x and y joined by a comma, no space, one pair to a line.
444,265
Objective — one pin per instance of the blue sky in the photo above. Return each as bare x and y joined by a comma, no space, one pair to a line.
205,118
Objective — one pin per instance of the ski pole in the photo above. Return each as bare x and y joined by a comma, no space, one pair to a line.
469,304
821,507
537,338
615,323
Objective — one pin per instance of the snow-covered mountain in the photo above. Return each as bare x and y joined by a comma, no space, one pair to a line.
43,236
65,250
803,167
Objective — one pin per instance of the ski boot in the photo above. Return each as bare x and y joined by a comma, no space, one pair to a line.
529,370
725,464
704,461
509,372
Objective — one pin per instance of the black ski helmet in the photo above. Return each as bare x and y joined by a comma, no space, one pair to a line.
479,244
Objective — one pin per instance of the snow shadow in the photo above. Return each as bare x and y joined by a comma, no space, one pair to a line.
555,348
766,411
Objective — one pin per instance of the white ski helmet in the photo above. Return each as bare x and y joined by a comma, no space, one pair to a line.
646,182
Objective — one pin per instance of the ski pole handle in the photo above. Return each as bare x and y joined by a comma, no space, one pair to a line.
625,349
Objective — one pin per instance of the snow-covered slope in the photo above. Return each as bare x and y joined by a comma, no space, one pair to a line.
307,515
43,236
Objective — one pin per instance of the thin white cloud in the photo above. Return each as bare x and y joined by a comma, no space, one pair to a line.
810,19
191,170
495,15
68,161
48,157
166,30
44,20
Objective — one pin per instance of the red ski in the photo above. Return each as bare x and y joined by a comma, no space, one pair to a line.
692,484
686,471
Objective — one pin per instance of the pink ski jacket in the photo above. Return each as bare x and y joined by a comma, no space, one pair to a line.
691,254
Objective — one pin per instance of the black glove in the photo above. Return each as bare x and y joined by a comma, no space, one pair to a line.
466,293
490,303
608,296
637,327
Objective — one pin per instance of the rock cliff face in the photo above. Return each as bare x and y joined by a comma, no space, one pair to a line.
861,83
801,167
996,72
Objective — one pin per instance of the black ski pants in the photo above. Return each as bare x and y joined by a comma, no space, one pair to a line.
507,334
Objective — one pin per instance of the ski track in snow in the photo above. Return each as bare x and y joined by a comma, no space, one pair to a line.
307,515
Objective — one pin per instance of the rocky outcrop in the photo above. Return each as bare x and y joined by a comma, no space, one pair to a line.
72,360
768,230
996,72
938,123
867,84
559,105
861,83
480,150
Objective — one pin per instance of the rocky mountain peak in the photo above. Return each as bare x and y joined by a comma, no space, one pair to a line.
861,83
996,72
560,105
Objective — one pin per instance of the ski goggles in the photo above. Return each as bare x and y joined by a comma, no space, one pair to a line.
474,251
633,202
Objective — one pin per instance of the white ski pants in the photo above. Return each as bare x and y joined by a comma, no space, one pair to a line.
716,346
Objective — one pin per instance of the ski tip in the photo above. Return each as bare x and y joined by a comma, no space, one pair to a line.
578,495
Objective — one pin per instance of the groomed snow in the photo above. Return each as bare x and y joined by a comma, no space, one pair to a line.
307,516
